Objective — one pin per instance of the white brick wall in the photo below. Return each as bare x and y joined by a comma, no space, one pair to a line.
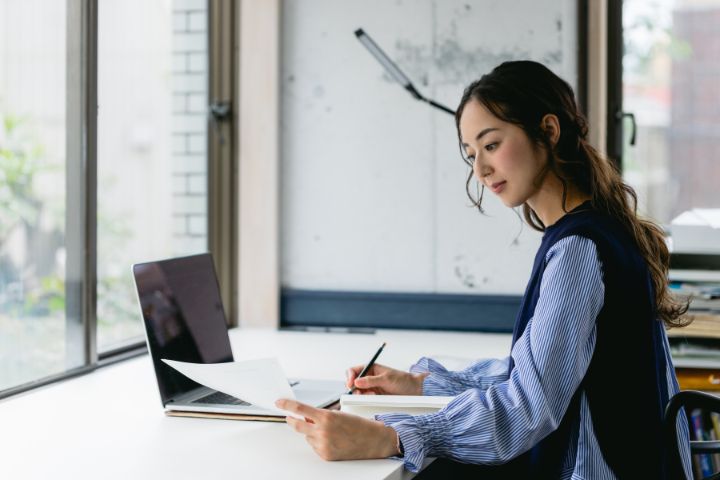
197,62
191,244
186,5
197,21
190,163
187,81
196,102
189,127
189,123
197,184
191,204
197,143
197,225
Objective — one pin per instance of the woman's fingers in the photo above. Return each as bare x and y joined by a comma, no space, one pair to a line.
377,381
300,409
352,373
300,426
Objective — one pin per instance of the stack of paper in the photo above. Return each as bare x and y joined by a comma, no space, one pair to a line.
370,405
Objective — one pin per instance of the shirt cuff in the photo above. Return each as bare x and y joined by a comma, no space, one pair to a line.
421,436
441,381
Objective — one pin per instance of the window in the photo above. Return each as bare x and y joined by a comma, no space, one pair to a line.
34,311
83,196
152,145
671,83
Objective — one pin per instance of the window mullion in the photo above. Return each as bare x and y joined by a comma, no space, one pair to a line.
81,175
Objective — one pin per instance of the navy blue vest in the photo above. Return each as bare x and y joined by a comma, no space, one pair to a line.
625,385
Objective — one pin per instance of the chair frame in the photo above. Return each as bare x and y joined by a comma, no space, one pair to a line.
688,399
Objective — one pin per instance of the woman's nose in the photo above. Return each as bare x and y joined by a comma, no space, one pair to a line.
481,171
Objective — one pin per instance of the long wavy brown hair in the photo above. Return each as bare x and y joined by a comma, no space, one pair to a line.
522,93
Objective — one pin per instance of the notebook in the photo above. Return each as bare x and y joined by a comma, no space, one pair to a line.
370,405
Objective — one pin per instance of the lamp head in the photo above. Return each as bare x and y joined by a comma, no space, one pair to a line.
381,57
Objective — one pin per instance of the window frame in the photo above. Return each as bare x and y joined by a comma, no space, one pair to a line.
80,196
222,169
81,178
614,74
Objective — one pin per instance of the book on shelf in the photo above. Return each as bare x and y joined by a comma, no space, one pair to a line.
697,345
714,457
704,325
703,296
690,275
695,276
702,427
715,430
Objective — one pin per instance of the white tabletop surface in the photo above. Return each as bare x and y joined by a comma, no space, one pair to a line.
109,424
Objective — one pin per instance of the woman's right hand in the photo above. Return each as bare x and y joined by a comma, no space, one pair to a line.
382,380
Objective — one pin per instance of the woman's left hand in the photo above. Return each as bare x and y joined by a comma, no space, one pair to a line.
336,435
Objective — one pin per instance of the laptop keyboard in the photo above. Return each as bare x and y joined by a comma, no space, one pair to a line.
220,398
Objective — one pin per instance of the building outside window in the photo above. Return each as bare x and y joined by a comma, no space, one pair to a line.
671,83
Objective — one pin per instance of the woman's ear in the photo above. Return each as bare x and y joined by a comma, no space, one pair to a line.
551,126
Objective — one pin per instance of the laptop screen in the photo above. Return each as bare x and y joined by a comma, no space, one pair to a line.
183,316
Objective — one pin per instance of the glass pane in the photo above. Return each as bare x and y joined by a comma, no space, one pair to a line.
33,325
152,136
671,82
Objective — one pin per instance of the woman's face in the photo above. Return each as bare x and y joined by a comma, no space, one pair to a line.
503,156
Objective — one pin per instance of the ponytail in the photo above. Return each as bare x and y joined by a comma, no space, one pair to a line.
522,93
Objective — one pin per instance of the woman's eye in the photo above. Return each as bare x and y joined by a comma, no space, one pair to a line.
491,146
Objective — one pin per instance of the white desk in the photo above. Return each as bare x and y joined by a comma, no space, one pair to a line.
109,424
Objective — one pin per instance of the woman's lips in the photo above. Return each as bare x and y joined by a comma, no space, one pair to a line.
498,187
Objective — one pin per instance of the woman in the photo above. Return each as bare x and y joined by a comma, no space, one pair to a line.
583,391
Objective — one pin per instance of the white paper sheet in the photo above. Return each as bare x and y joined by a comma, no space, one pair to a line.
259,382
699,217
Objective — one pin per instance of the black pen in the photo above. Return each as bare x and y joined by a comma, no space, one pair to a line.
367,367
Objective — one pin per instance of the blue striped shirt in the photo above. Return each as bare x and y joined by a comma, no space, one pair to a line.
495,417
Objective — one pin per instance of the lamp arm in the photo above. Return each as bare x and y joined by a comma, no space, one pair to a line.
394,71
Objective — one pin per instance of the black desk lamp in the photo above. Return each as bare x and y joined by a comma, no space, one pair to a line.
394,71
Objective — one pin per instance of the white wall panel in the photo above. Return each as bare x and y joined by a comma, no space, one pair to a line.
372,182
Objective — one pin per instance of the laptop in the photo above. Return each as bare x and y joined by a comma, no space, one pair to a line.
184,320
